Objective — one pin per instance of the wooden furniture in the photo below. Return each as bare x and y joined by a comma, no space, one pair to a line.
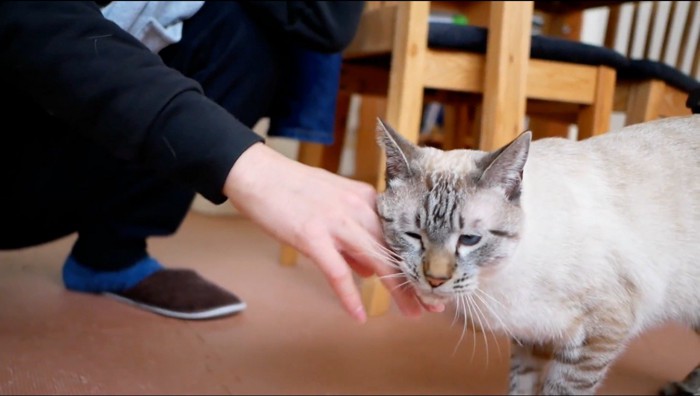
667,32
390,56
646,32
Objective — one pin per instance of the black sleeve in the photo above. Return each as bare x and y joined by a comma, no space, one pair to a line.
85,70
324,26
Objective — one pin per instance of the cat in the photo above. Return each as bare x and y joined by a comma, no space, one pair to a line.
571,248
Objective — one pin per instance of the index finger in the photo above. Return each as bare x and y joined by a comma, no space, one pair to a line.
369,251
340,277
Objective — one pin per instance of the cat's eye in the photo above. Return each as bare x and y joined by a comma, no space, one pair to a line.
417,237
469,240
414,235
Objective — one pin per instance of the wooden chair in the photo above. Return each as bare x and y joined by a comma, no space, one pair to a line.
663,44
661,40
390,56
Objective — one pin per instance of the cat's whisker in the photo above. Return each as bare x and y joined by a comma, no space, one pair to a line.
381,251
465,307
454,318
481,327
490,297
461,337
457,306
490,328
389,260
495,315
454,350
393,265
387,252
471,359
384,253
400,285
382,248
490,308
396,275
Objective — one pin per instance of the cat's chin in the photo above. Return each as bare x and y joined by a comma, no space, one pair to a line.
433,299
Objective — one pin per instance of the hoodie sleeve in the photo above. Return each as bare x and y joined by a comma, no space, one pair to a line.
88,72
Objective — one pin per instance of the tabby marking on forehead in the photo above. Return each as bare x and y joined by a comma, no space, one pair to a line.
445,192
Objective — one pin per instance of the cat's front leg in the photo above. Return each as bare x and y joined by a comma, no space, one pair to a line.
689,386
525,369
579,369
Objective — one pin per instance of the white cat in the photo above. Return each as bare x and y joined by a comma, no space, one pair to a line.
571,248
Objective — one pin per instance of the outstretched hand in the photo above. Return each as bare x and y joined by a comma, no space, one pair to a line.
329,218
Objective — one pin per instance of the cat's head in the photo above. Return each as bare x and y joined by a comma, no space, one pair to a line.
452,217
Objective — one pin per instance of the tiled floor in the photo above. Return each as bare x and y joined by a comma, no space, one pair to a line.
293,339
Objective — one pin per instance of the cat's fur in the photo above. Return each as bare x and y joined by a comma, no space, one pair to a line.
583,244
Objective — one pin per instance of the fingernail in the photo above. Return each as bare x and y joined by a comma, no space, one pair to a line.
437,308
360,314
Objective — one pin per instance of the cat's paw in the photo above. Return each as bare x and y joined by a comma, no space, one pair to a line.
675,389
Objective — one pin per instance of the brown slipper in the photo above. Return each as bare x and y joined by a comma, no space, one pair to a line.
182,294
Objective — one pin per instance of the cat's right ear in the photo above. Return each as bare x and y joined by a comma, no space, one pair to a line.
504,168
399,152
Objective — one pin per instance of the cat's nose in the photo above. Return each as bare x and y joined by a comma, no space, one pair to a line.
435,282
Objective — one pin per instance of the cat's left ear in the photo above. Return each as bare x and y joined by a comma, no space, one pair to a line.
504,168
399,153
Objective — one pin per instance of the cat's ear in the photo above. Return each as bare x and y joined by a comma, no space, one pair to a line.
399,152
504,168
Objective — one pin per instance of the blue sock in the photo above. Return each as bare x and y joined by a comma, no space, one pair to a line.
78,277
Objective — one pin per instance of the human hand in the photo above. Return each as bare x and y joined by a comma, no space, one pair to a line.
329,218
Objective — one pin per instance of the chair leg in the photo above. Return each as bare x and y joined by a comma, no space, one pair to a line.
594,119
404,108
543,128
367,153
460,130
331,155
505,80
643,101
375,296
288,255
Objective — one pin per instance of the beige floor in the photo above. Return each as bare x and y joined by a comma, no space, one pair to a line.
293,339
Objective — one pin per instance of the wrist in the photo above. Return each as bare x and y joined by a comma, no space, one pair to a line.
255,167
